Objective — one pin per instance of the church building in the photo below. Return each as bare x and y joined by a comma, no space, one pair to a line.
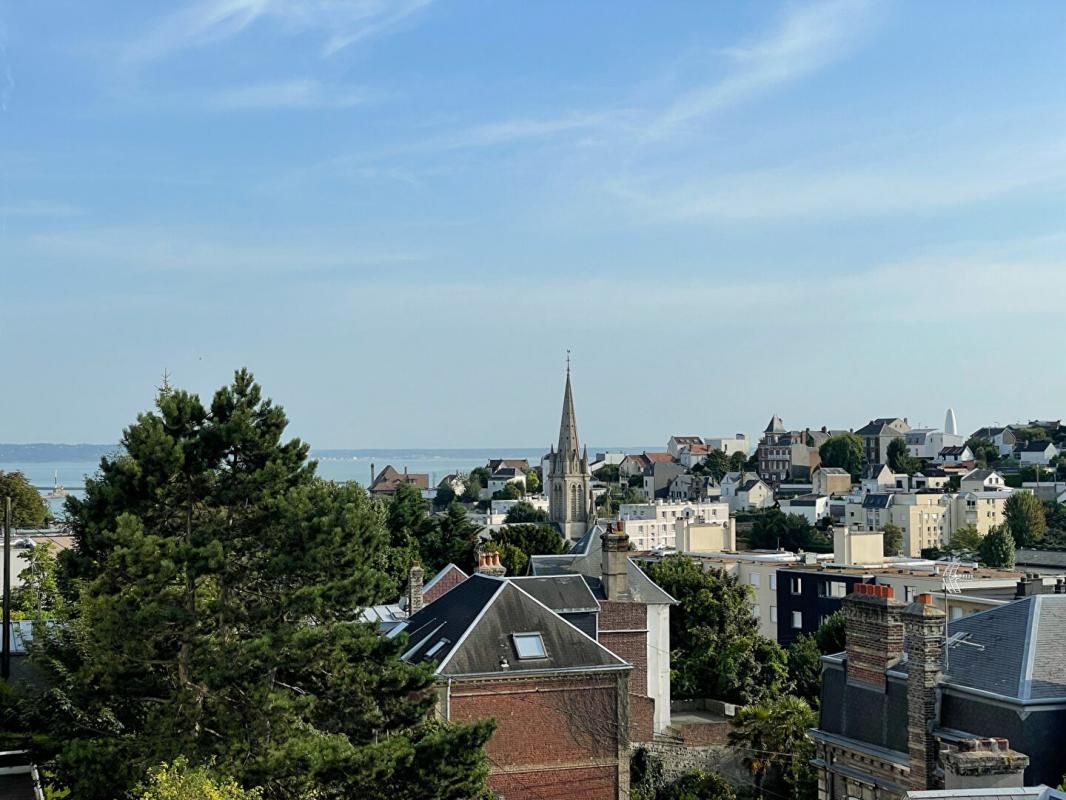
569,482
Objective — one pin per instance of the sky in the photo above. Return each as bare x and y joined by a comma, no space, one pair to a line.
400,214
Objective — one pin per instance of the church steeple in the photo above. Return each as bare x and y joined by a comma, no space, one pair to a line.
569,484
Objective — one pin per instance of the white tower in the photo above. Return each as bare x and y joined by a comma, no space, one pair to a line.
950,425
569,481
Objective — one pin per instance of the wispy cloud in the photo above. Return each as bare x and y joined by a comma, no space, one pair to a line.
809,38
302,93
39,209
959,176
340,23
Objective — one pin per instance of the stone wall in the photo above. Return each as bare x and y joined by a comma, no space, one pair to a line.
678,758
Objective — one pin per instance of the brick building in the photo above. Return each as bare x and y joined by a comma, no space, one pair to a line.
560,698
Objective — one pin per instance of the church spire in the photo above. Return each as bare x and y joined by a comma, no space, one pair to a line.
568,425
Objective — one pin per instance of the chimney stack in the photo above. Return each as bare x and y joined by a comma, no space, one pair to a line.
415,600
1029,585
925,627
615,561
489,564
373,473
874,634
984,763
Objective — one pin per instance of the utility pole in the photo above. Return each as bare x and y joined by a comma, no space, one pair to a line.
5,658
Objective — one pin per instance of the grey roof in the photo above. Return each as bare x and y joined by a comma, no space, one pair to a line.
775,425
873,470
470,631
978,474
833,470
956,450
586,558
750,484
877,501
1034,447
879,427
561,593
1024,650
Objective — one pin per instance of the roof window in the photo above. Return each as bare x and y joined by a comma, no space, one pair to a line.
529,645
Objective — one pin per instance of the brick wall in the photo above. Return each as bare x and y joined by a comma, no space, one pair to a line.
552,733
630,642
641,718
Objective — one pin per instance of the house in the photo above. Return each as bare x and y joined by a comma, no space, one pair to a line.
930,478
957,454
634,618
788,455
812,507
693,454
1003,438
752,495
982,480
737,443
455,481
830,480
917,703
877,478
693,487
1039,453
679,444
925,443
389,480
504,475
653,526
634,464
498,652
520,464
878,434
658,476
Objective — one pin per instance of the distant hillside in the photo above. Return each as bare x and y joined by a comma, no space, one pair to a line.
45,452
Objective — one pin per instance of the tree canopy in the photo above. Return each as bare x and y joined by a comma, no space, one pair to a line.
900,459
893,539
717,649
997,548
523,511
984,449
844,450
793,532
215,590
776,747
1025,518
28,508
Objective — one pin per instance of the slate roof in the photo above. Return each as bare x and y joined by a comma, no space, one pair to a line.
1024,655
873,471
957,450
832,470
560,593
879,427
775,425
1034,447
585,558
470,631
750,484
978,475
877,501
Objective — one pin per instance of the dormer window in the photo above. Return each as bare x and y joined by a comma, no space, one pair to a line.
529,645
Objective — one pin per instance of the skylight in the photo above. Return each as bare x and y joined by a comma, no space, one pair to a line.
436,648
529,645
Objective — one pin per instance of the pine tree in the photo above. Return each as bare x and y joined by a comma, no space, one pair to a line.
217,585
997,548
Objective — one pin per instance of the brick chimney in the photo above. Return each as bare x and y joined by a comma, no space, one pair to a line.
874,633
925,628
615,561
489,564
984,764
1029,585
414,589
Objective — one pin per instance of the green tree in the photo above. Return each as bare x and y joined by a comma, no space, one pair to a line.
997,548
646,775
717,649
451,537
899,457
531,539
844,450
984,450
698,785
717,464
219,585
1025,519
737,462
965,541
408,522
775,746
532,482
28,508
523,511
472,492
445,497
179,781
608,473
893,539
805,668
512,490
38,596
831,634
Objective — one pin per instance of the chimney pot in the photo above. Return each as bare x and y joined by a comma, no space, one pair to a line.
925,599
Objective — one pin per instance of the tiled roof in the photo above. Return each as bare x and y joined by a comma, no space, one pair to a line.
449,577
656,457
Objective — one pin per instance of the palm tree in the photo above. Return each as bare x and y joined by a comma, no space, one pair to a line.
774,740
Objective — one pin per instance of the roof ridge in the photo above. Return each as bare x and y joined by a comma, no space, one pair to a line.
1032,626
473,623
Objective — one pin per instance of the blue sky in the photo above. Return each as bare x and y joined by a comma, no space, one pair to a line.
401,213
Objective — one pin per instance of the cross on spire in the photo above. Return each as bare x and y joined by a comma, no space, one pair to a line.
568,361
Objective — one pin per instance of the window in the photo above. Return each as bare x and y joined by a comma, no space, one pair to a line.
755,579
773,613
797,620
436,648
756,611
908,593
773,581
796,585
529,645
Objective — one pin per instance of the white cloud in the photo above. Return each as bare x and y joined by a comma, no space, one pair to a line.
340,23
291,94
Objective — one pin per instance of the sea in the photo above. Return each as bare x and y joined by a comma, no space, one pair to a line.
67,465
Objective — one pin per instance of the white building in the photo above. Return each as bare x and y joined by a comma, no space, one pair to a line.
1038,453
982,480
653,526
812,507
737,443
928,442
